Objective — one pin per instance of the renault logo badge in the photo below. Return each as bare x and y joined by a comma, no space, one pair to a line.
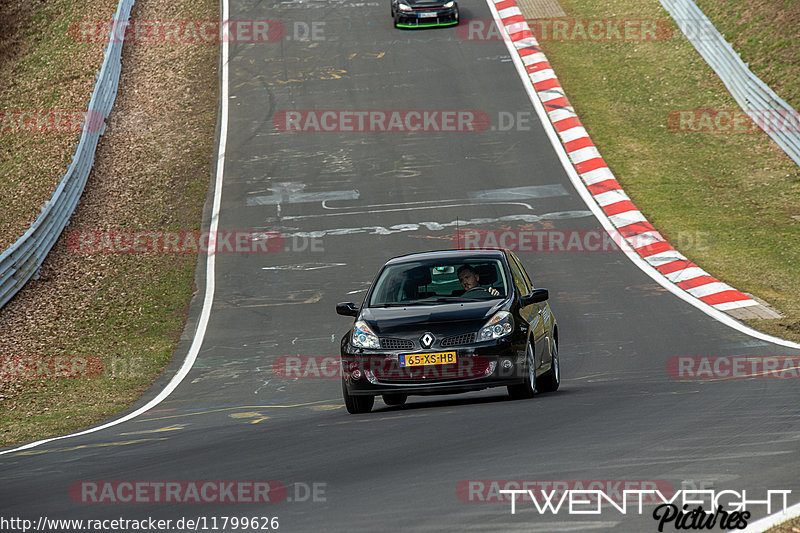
427,340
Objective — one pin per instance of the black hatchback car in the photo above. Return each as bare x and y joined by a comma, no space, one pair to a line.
424,13
445,322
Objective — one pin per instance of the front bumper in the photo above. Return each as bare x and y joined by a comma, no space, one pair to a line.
416,19
373,372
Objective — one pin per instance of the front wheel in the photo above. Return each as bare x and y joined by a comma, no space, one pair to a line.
357,404
527,388
552,378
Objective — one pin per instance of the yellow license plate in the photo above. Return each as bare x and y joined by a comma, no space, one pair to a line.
423,359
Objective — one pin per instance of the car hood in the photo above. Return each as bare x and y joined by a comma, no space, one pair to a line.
440,319
422,4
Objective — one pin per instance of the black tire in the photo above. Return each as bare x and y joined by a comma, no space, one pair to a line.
550,381
527,389
395,399
357,404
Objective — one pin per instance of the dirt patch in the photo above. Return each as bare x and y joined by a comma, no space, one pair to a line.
14,16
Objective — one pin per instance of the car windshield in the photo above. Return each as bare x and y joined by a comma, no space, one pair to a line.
434,282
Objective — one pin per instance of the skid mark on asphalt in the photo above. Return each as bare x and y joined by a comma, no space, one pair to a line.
195,412
429,225
370,419
290,192
87,446
683,459
174,427
304,267
332,338
324,4
298,297
322,74
347,57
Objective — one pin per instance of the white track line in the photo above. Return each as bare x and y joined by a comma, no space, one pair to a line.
768,522
208,299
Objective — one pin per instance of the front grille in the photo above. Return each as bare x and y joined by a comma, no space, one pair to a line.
396,344
458,340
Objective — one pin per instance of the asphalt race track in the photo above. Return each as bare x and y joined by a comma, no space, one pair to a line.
347,201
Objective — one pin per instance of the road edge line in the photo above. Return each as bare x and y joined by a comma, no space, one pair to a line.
763,524
525,36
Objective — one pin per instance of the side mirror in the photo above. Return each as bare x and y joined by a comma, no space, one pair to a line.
536,296
347,309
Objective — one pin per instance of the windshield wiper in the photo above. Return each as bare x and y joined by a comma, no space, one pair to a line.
428,301
402,304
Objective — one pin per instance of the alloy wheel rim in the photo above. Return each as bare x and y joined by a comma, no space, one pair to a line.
531,368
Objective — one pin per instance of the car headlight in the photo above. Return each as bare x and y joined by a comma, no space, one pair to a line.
450,4
500,325
363,336
403,7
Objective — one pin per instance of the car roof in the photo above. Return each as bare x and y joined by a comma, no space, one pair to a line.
448,254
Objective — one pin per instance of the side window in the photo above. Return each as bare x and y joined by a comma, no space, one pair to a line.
524,273
519,277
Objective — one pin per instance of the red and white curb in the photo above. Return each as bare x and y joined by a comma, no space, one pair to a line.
631,224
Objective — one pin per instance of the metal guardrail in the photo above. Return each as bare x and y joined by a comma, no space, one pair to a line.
767,109
22,260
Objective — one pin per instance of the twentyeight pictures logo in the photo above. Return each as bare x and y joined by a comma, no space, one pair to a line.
675,509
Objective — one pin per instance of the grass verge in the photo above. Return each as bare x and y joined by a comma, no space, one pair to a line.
765,33
125,311
42,70
726,200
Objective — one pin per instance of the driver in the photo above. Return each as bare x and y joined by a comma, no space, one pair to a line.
470,280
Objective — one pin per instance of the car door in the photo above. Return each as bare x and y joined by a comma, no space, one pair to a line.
532,314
